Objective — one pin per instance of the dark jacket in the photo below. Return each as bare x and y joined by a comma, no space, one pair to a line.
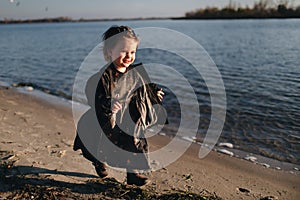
124,129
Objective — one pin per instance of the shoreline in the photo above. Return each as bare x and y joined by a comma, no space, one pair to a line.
70,20
41,134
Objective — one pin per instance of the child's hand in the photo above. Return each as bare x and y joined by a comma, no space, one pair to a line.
160,94
116,107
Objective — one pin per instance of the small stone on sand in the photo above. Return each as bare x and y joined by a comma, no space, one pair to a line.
226,152
251,158
29,88
225,144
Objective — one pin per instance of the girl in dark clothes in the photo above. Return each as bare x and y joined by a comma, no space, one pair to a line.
124,102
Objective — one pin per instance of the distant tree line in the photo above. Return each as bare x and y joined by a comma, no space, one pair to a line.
44,20
261,9
67,19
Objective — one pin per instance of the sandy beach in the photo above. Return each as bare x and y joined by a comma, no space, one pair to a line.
36,152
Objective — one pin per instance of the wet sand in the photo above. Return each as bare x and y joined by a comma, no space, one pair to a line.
38,136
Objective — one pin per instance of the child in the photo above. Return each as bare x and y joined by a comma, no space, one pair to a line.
124,102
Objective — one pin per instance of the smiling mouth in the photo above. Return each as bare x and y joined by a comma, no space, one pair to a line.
127,62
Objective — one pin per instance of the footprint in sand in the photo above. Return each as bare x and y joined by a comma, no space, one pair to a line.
12,102
53,151
23,116
57,153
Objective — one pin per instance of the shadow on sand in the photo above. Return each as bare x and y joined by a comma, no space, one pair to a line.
26,182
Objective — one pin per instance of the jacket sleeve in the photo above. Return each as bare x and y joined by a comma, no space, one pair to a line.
103,100
152,116
160,112
145,106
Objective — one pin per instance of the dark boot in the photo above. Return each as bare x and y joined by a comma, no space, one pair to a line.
136,179
100,169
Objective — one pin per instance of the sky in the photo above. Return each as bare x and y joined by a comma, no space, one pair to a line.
108,9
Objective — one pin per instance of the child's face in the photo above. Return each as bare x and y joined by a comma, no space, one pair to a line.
123,53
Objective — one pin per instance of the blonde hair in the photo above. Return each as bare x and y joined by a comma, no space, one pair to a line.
113,35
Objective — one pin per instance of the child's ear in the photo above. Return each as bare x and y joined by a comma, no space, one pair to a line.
108,55
109,52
